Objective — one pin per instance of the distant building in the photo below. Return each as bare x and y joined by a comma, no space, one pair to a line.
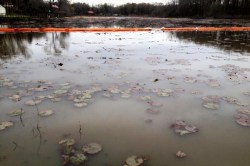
2,11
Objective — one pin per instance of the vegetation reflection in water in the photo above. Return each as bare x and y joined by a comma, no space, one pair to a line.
163,110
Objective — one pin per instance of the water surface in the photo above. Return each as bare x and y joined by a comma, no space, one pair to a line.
120,70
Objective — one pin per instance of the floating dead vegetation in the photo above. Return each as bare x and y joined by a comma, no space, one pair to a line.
182,128
244,111
190,80
135,161
180,154
91,148
154,60
67,142
60,92
184,62
211,105
125,95
15,98
165,92
235,73
17,112
242,119
196,92
5,124
45,113
80,105
247,93
213,83
118,76
211,98
75,156
154,103
33,102
152,111
145,98
114,90
233,100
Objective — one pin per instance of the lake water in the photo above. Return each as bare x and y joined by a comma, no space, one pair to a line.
130,87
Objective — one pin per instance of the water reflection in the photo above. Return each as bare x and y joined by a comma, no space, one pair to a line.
224,40
16,44
57,42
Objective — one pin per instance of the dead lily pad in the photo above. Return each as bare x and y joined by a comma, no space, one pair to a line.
152,111
80,105
181,127
134,161
15,98
17,112
60,92
91,148
242,119
45,113
244,111
180,154
77,159
33,102
67,142
5,124
233,100
211,98
246,93
211,105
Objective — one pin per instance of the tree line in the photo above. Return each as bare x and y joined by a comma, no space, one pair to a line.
176,8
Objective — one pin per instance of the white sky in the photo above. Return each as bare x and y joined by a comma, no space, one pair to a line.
118,2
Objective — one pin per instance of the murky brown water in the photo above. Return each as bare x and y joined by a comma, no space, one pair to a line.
123,75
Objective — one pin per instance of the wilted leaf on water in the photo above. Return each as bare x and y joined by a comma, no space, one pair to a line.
181,154
108,95
190,80
165,92
246,93
114,90
213,83
45,113
5,124
77,159
243,111
181,127
134,161
60,92
91,148
125,95
67,142
211,98
80,105
242,119
15,98
152,111
211,105
196,92
155,104
179,90
41,97
56,99
145,98
233,100
16,112
33,102
40,89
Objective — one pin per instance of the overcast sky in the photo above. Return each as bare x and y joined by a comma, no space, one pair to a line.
117,2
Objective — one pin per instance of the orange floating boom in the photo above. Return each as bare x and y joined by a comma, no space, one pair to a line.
122,29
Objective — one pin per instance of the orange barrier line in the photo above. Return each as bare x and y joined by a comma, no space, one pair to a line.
208,29
122,29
